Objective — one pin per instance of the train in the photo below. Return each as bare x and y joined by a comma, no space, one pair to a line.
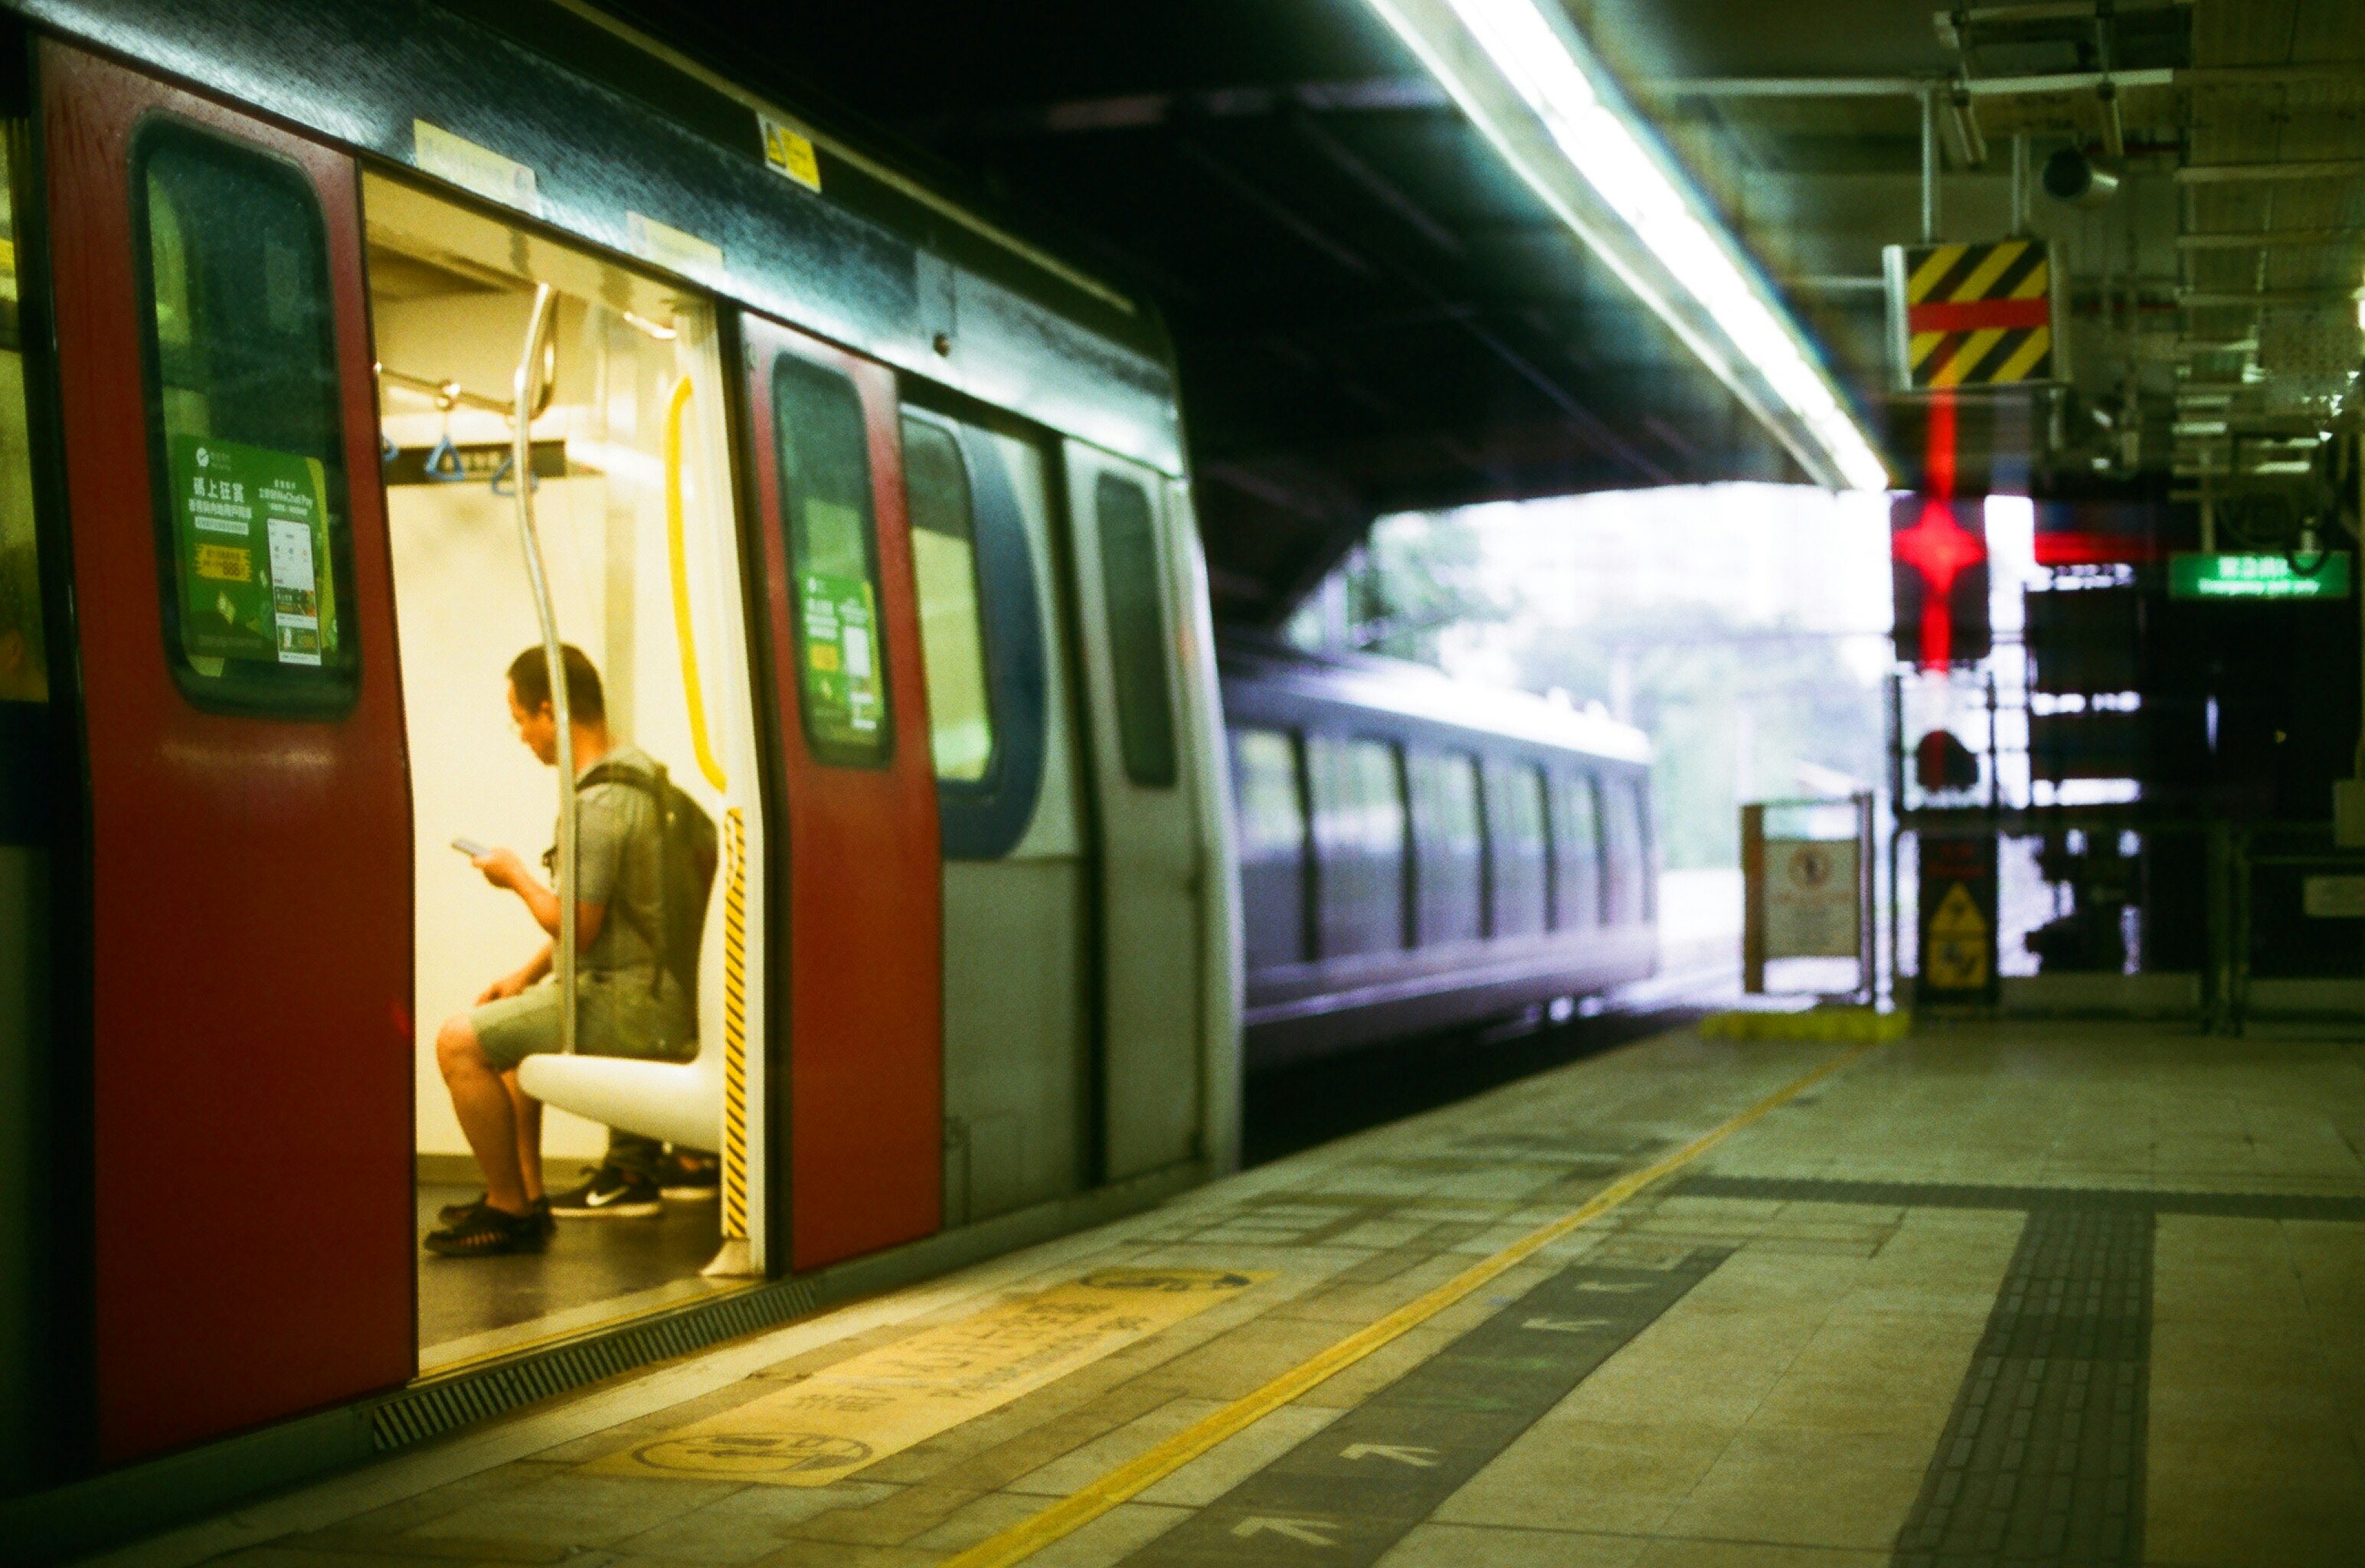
1417,852
351,354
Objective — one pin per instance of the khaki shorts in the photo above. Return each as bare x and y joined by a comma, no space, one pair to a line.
619,1015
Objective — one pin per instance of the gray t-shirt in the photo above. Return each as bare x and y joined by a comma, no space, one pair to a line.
617,838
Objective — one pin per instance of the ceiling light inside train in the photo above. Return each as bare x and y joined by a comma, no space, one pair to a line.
1526,79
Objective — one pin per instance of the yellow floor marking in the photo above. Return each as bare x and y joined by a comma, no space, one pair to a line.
1027,1537
824,1427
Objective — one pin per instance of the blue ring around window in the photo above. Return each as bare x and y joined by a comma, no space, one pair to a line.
984,819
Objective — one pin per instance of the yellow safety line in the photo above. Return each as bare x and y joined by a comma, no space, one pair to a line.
683,636
734,1027
1990,267
1025,1538
2024,358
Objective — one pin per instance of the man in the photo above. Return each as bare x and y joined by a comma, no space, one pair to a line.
630,1004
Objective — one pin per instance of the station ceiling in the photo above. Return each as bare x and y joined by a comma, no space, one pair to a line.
1371,314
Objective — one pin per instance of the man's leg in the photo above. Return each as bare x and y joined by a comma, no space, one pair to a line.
487,1115
528,1135
637,1157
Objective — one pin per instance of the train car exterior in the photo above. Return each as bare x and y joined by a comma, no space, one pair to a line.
1418,853
349,349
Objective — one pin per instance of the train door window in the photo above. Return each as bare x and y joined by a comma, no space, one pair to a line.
1449,835
1522,850
1622,831
244,428
630,481
825,462
1272,847
952,632
1576,853
1131,576
1359,825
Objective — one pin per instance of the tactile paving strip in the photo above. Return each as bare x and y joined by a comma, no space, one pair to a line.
1351,1491
2042,1462
1943,1195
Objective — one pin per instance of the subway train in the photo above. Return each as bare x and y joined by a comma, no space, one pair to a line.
349,351
1417,852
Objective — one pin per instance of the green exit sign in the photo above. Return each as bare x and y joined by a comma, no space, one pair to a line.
2193,576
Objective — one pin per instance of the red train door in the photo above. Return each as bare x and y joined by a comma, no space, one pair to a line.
864,902
249,855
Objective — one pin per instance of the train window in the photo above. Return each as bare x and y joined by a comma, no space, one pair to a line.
952,634
1450,854
1622,830
1576,853
1131,581
246,434
824,467
1359,830
1522,851
24,657
1272,847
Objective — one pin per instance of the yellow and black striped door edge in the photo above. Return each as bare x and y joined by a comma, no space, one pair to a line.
1973,315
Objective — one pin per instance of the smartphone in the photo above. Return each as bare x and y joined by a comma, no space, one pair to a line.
471,848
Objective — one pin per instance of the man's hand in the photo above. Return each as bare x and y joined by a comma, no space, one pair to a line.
509,985
503,869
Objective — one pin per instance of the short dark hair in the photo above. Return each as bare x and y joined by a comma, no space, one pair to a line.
587,702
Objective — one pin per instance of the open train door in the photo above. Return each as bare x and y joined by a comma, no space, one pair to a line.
862,943
249,817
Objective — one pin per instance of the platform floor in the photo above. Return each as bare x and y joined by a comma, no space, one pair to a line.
2026,1293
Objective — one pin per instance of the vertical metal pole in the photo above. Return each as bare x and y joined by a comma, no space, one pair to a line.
1753,898
1930,164
2020,183
1867,946
526,388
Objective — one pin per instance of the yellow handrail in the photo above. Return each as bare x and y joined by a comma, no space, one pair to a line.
683,637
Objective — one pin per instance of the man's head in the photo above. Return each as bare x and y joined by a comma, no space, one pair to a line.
529,706
23,664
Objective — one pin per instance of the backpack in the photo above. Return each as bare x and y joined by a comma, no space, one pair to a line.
687,851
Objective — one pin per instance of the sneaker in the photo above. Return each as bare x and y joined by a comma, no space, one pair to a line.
486,1232
452,1214
690,1177
610,1194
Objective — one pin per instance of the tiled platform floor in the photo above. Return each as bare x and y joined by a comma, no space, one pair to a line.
2073,1294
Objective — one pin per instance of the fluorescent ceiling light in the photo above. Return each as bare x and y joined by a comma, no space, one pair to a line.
1517,68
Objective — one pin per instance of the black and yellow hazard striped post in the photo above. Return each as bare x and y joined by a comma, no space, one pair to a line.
1972,315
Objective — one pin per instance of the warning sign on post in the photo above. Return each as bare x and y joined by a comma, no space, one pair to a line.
1958,919
1812,906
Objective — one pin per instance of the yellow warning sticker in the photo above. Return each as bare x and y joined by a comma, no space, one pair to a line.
1955,950
791,153
828,1426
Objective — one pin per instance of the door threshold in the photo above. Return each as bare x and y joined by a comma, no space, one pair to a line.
454,1355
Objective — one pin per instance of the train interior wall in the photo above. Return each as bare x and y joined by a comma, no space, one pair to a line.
451,295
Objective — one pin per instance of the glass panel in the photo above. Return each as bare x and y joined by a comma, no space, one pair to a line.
1576,843
1450,839
1272,848
1132,582
1522,875
952,637
246,435
24,657
1358,832
823,453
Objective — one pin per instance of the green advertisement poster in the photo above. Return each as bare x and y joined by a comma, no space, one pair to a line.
251,532
843,692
